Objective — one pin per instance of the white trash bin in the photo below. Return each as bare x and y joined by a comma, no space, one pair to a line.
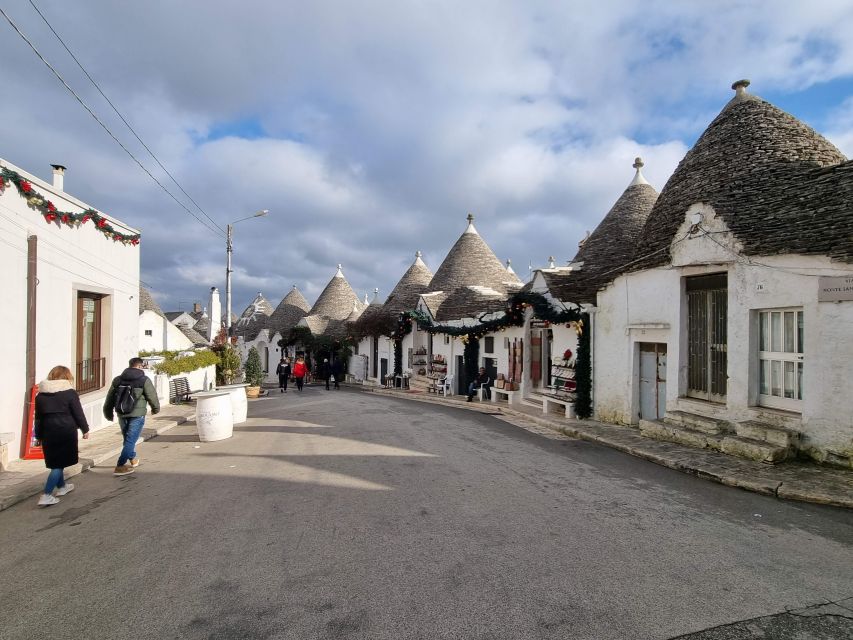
239,403
213,415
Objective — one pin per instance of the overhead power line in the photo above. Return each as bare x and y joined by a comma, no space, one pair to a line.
123,119
214,230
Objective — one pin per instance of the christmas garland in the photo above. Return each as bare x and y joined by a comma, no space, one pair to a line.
50,213
513,317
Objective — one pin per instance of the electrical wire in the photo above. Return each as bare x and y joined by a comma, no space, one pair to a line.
123,119
214,230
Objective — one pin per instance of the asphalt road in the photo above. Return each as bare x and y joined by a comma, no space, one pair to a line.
352,515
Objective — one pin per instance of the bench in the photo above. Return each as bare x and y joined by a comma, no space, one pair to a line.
498,393
568,404
179,390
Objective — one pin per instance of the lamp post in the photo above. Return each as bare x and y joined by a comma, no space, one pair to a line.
228,269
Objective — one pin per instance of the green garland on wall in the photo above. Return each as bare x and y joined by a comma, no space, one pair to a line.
50,213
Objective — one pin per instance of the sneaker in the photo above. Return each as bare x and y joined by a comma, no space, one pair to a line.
134,462
123,470
67,488
46,500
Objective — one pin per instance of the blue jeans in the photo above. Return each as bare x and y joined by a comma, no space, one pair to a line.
55,480
130,429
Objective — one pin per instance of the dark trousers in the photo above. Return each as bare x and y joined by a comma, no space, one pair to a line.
282,382
299,383
327,384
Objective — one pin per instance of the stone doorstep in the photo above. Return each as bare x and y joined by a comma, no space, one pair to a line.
681,435
698,422
779,436
757,450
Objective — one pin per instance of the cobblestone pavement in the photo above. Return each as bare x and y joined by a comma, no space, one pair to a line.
792,480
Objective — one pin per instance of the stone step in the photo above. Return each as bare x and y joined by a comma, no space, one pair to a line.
729,444
763,432
698,422
757,450
660,430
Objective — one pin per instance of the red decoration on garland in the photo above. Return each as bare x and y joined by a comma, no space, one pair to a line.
25,186
102,223
50,217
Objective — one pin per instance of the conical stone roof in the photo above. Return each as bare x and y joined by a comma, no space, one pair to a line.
292,308
147,302
610,247
404,296
470,262
254,318
750,164
336,300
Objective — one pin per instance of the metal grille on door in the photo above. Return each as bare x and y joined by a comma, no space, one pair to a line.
707,337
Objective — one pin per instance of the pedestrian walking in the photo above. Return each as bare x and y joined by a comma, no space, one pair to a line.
129,395
299,371
58,415
283,371
337,372
325,372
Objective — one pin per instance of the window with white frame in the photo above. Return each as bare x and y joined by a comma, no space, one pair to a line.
780,355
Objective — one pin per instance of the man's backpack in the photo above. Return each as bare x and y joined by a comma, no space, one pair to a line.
124,399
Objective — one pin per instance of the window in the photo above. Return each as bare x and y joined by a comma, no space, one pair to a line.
149,332
489,344
90,369
781,335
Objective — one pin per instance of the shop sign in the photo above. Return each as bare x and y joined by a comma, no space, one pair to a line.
834,288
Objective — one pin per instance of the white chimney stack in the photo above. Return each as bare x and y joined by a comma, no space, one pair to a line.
215,307
58,177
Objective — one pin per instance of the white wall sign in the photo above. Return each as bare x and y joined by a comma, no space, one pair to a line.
834,288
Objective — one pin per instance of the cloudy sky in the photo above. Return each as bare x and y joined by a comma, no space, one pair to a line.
371,129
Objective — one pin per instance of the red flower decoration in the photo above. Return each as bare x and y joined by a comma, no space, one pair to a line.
2,183
567,354
85,219
50,206
65,219
134,241
50,217
25,186
102,223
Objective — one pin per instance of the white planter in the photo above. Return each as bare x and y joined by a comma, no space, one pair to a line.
214,416
239,404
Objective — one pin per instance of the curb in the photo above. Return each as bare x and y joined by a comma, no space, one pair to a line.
770,483
29,488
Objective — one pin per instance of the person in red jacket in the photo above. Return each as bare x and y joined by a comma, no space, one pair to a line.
299,371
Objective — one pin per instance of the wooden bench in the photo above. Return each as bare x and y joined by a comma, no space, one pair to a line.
568,404
179,390
510,395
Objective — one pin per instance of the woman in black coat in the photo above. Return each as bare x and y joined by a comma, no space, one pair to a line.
58,416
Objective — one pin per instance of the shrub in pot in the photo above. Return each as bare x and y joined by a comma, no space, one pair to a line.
254,373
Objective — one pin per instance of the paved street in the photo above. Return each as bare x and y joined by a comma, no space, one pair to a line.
351,515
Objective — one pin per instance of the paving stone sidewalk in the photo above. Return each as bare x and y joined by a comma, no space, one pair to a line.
25,478
793,480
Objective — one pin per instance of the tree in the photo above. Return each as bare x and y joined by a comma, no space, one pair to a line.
229,363
253,369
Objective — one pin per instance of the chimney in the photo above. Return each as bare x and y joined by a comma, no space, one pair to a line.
215,307
58,177
196,307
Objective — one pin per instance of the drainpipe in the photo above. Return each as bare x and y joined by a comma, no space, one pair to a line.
32,281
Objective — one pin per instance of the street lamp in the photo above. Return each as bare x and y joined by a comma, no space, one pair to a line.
228,269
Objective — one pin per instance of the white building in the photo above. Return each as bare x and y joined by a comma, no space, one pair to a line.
733,316
77,307
156,333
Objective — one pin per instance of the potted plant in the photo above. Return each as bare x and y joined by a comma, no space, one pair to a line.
254,373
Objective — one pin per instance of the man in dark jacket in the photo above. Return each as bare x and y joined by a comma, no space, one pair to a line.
131,423
482,380
283,373
337,371
325,372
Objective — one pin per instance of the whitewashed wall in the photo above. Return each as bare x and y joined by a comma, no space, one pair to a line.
650,307
70,260
164,335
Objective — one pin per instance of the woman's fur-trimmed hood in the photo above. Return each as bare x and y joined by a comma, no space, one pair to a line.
54,386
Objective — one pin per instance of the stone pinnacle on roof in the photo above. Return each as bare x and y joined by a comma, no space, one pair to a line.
753,163
336,299
552,262
639,178
292,308
509,266
147,302
470,228
415,281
